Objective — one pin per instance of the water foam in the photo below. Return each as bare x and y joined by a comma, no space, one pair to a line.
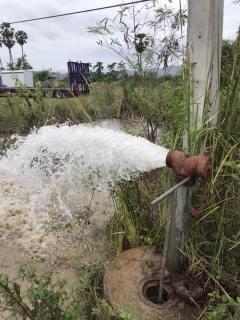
62,173
58,165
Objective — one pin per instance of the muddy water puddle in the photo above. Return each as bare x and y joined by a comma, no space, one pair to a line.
46,241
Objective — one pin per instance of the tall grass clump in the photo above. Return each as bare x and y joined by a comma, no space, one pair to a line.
22,111
135,222
213,244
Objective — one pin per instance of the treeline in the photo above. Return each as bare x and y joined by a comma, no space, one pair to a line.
114,73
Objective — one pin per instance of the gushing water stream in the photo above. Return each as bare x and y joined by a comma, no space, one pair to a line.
53,172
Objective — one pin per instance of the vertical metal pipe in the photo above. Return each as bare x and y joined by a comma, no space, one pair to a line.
181,209
165,251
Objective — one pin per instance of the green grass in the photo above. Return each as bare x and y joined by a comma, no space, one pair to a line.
20,114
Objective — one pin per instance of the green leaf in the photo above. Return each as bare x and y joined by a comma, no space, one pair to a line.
149,263
224,298
123,314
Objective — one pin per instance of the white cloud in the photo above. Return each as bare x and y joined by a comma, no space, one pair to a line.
52,42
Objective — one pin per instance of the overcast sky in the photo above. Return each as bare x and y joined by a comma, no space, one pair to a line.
52,42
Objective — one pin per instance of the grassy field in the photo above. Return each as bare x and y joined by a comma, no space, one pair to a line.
20,114
212,249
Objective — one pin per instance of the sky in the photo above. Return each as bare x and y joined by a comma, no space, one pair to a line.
53,42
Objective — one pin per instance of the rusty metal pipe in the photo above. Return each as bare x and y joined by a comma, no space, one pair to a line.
189,166
185,166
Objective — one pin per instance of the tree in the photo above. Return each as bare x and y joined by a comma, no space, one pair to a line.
98,74
20,64
141,42
122,70
145,37
230,61
44,77
0,57
113,74
7,36
21,38
111,66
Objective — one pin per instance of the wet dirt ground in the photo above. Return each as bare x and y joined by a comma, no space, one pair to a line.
47,242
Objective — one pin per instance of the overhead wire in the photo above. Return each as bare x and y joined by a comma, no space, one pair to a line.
77,12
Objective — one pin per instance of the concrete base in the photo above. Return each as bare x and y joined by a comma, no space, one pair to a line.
125,278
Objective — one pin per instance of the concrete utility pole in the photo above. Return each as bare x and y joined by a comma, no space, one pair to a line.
204,45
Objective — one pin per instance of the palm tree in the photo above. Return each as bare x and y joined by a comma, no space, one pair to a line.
1,67
7,35
21,38
141,42
112,72
98,73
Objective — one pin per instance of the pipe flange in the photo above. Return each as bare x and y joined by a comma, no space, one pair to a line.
204,167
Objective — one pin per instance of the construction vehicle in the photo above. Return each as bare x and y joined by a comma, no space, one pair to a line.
79,78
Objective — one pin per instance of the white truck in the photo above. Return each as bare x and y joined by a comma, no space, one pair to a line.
26,77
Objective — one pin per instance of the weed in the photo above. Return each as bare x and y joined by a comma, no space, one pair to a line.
221,308
42,300
45,300
127,314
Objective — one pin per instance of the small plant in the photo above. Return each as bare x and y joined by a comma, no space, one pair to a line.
104,308
224,308
45,300
127,314
42,300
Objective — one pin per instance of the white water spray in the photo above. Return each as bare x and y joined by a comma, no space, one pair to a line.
78,157
54,171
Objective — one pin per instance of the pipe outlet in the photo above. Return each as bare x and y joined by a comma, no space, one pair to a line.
189,166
